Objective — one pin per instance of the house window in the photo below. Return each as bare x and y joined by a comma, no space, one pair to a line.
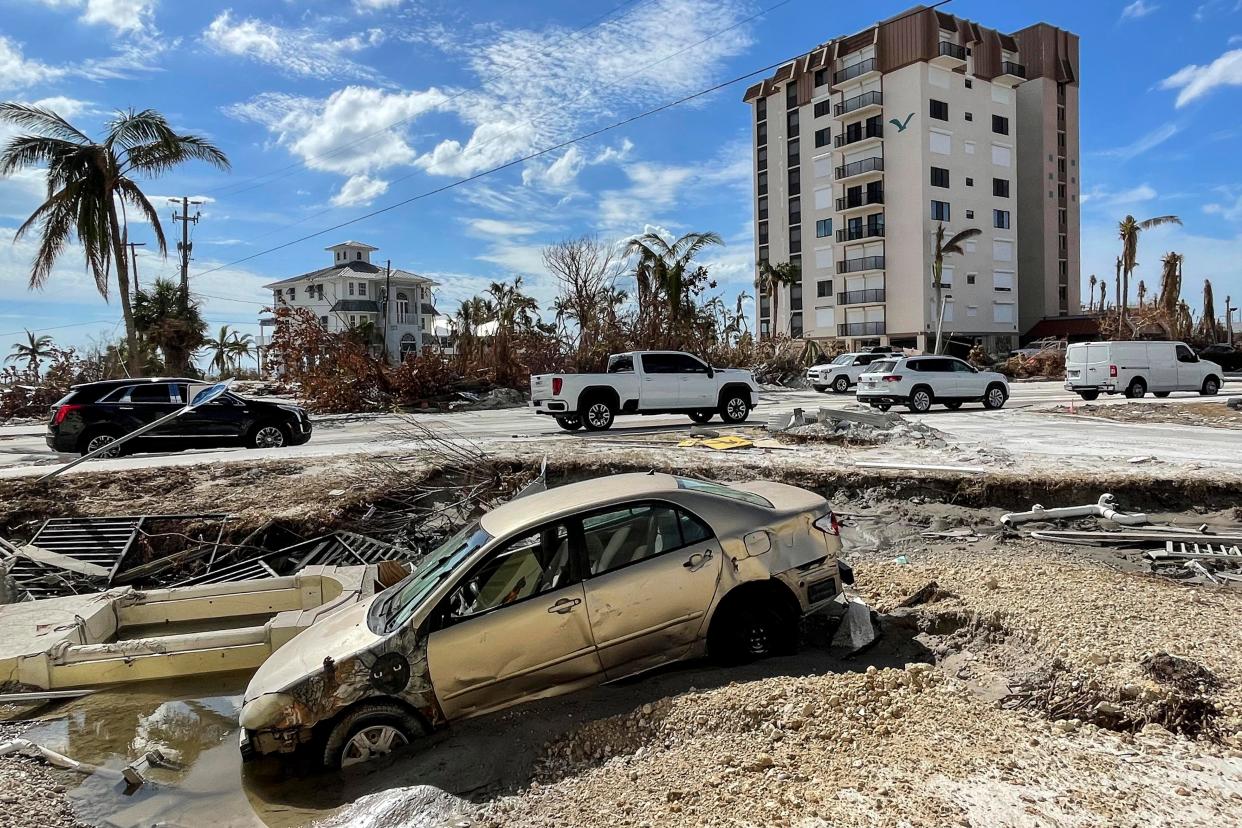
1000,125
970,116
292,292
353,321
969,84
970,214
1000,218
277,297
403,308
1000,187
351,288
939,110
823,290
821,137
939,177
940,210
970,182
970,278
358,255
823,228
821,108
323,322
362,288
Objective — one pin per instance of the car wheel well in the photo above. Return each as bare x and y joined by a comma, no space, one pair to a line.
731,388
1212,377
599,392
324,728
770,593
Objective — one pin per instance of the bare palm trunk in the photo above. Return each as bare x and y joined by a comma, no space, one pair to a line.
775,303
122,282
939,317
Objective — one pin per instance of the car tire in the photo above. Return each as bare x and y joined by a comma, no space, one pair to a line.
1089,395
369,731
1160,394
702,416
841,384
954,405
268,435
921,400
569,423
752,632
1210,386
597,415
994,397
820,388
734,408
881,406
93,440
1137,389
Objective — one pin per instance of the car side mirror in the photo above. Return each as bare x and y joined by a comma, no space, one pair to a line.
711,372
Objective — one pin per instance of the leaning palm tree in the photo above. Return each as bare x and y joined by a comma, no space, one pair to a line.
34,351
1128,230
945,248
219,348
1091,293
90,185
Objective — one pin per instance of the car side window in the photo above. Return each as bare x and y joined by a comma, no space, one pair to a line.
149,394
1184,354
961,367
630,534
621,364
530,565
686,364
863,360
659,364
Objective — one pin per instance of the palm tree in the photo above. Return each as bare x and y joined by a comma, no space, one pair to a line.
219,348
1170,284
1103,294
662,268
946,248
240,346
1128,230
1091,293
170,322
1142,293
771,278
34,350
1208,329
89,186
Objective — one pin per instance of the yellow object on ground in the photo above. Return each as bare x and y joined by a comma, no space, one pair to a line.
728,441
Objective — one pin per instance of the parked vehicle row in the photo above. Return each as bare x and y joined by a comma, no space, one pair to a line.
1134,368
645,382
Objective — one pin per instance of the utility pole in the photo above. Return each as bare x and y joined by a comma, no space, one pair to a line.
183,246
1228,320
133,261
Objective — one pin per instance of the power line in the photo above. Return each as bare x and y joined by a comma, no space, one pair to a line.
290,169
59,327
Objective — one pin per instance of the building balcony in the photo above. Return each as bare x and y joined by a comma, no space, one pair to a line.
872,132
1011,74
864,104
866,166
870,231
860,264
949,56
859,72
860,297
856,202
861,329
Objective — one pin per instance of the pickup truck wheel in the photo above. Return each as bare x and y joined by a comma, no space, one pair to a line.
569,423
702,416
841,384
597,416
734,408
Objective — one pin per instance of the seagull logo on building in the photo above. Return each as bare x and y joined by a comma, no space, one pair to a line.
901,125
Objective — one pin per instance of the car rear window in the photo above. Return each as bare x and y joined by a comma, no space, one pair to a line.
720,490
882,367
621,364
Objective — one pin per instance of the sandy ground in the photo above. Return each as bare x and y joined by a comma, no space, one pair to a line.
1210,414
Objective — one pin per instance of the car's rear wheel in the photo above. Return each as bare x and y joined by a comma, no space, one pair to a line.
752,632
953,406
820,388
702,416
1210,386
597,416
1160,394
97,441
1137,389
1089,395
734,408
841,384
920,400
368,732
569,423
994,397
268,435
881,406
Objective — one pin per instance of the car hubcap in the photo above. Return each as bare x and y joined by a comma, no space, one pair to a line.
1211,387
997,398
371,742
921,401
757,639
842,384
598,414
737,409
99,442
269,437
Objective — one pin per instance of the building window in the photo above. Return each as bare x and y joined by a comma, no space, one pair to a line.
821,77
795,239
791,124
763,183
353,321
362,288
278,295
795,296
1000,187
763,208
1000,125
793,148
795,210
970,214
323,322
795,182
761,109
763,254
969,83
939,110
939,177
970,278
403,308
1000,218
823,290
763,232
970,116
761,159
823,228
791,96
795,325
821,108
821,137
970,182
351,288
761,134
940,210
358,255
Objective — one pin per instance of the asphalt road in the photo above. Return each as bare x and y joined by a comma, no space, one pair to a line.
23,451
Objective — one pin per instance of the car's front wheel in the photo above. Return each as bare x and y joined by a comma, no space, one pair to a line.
368,732
734,408
994,398
1210,386
841,384
267,435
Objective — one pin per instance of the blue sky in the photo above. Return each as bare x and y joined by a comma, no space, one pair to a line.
291,90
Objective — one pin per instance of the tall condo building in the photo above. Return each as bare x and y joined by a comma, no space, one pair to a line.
867,143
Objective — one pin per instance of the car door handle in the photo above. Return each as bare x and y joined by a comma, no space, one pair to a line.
565,605
696,561
126,407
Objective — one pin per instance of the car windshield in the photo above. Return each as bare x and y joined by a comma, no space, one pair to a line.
844,359
882,367
396,604
721,490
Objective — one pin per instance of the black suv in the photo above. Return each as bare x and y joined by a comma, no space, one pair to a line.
97,413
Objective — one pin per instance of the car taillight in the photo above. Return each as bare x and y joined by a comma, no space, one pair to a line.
891,378
828,524
62,412
557,382
1112,370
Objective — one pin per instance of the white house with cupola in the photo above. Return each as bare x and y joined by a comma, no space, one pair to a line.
353,292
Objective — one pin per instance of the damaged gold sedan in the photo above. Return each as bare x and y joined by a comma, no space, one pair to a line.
557,591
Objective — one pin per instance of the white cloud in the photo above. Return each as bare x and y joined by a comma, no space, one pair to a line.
359,189
1144,143
1224,208
124,16
298,52
376,5
1137,9
19,72
504,229
1099,196
1195,81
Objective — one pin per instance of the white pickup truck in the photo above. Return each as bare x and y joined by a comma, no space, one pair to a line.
645,382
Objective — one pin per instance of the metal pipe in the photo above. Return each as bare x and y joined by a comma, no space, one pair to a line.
1105,508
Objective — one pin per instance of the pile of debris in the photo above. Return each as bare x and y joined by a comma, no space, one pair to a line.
853,426
1199,555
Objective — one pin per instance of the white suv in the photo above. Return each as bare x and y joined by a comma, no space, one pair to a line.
923,381
842,372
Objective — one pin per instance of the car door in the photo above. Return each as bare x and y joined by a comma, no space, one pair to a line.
1190,373
1163,361
696,385
660,387
937,373
651,574
221,419
513,627
967,381
144,404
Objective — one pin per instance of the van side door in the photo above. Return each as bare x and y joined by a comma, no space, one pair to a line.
1162,358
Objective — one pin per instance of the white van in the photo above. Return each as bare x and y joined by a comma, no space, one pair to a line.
1134,368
